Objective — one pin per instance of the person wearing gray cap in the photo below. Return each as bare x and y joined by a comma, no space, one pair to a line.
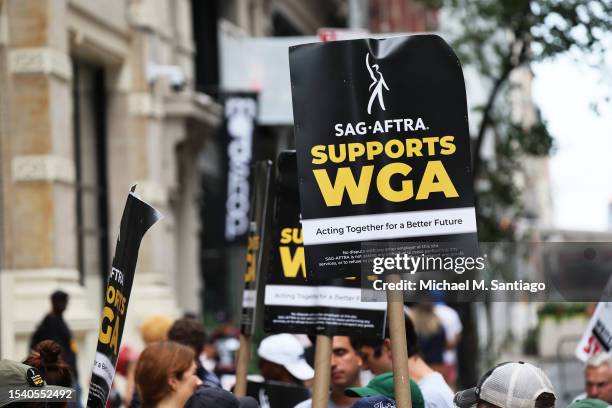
20,382
509,385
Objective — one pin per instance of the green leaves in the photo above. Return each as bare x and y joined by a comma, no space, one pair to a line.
497,37
535,140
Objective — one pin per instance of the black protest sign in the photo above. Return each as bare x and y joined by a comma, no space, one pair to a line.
254,278
383,147
238,128
138,217
294,301
274,394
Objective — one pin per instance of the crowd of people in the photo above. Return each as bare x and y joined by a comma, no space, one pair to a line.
174,370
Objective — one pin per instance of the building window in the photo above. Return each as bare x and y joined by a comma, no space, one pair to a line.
89,110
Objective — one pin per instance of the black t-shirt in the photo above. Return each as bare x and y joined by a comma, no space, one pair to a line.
55,328
433,346
276,394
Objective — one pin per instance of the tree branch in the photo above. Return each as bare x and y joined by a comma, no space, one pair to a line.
486,117
519,35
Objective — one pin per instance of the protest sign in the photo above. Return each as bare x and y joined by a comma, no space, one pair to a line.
138,217
383,147
254,279
274,394
382,143
294,302
597,337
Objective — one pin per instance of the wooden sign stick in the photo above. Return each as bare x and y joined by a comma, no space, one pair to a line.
320,389
242,365
399,346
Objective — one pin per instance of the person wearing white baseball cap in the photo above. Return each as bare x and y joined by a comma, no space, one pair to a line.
509,385
282,359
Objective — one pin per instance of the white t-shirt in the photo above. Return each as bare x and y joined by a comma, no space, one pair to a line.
450,320
436,392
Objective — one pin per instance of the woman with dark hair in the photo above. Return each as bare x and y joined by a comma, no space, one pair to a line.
166,375
47,358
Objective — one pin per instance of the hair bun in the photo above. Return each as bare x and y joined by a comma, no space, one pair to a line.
49,351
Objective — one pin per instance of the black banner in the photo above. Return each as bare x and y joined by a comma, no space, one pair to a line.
254,279
274,394
294,302
383,147
240,113
137,218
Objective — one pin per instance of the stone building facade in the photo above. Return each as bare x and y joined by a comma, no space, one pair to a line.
96,96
